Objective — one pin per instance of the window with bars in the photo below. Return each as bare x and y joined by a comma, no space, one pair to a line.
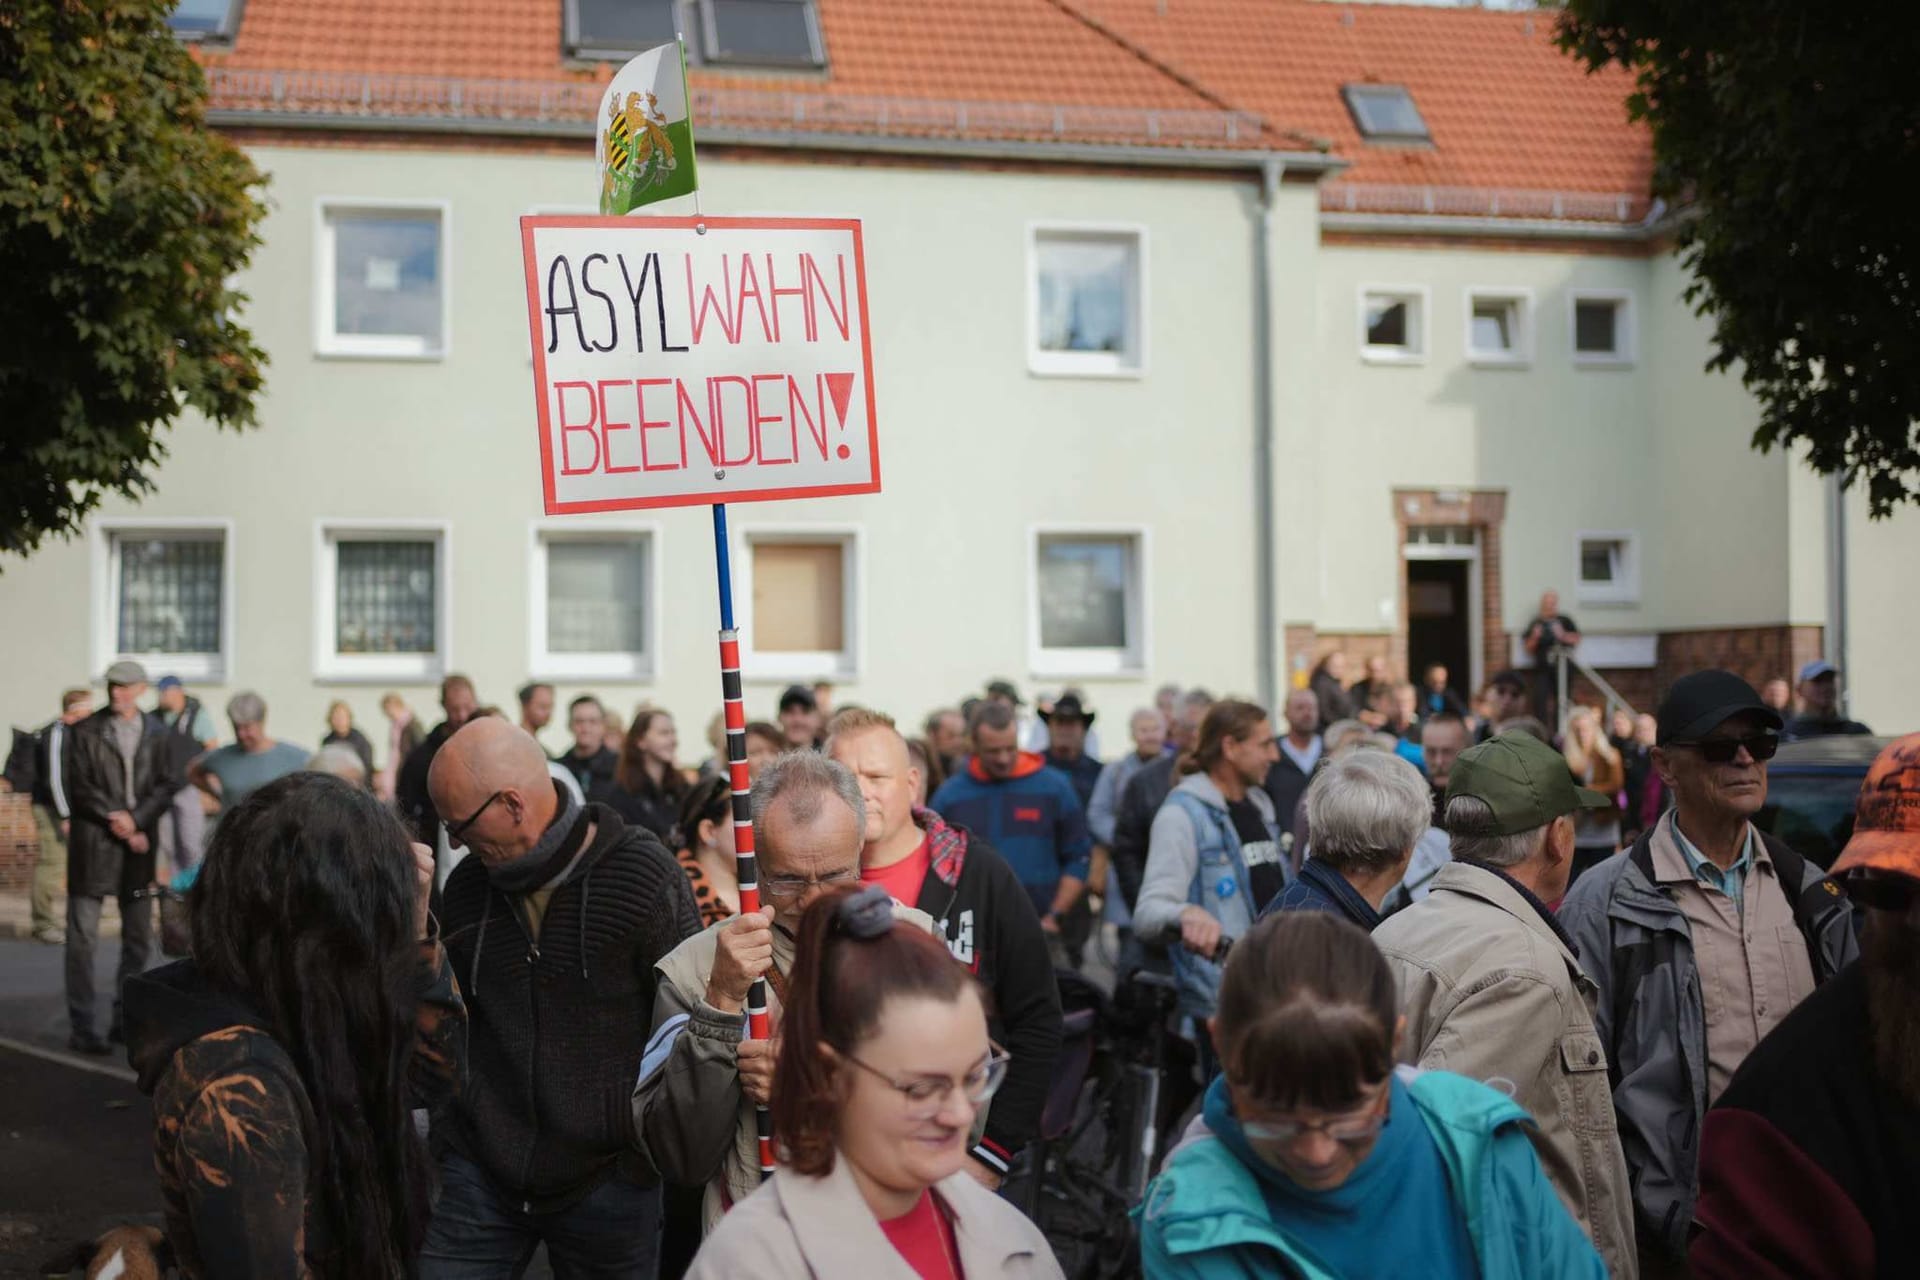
169,593
386,596
1088,602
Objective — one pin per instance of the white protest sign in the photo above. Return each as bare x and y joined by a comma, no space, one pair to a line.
676,366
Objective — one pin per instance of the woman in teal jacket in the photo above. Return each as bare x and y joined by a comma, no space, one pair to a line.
1316,1159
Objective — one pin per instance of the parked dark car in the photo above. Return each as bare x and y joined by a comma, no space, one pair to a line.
1812,786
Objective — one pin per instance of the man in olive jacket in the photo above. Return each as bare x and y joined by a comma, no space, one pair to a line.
121,778
1491,987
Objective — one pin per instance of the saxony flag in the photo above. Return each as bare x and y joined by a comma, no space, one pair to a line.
645,140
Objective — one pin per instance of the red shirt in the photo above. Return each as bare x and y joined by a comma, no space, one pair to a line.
903,879
924,1237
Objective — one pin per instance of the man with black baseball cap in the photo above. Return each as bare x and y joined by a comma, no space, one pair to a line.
1491,988
1701,939
800,718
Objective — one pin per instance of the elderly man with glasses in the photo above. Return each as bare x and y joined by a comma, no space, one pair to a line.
553,928
693,1111
1700,940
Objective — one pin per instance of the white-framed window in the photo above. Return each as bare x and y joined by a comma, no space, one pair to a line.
1601,324
1393,324
1500,326
382,279
1087,300
163,596
1607,567
799,601
594,604
1087,601
383,602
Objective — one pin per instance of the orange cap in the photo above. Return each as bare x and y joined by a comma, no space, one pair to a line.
1886,831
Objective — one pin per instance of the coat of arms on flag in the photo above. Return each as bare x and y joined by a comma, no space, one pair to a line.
645,139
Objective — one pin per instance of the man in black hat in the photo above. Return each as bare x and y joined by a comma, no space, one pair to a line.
1700,940
800,718
1067,723
1506,699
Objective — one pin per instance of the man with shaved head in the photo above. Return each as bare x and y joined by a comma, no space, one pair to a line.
553,927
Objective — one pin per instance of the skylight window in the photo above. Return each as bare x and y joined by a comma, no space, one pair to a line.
205,19
762,32
1385,113
618,28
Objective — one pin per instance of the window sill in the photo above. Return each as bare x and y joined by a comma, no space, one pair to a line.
1044,367
324,351
1390,356
195,668
1495,360
1602,362
374,669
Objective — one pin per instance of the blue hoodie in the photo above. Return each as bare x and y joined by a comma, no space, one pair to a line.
1207,1217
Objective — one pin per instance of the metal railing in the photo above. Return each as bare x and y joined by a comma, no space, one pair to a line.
1564,658
1483,202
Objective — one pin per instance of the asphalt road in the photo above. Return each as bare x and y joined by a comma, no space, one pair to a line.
76,1152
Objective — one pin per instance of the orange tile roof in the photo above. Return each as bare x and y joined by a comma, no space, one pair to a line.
1509,113
1507,110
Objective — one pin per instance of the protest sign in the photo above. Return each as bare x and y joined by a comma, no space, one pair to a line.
699,360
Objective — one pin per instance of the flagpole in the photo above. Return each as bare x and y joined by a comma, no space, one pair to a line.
745,863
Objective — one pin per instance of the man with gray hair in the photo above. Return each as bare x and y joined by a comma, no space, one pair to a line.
1491,986
701,1078
1367,810
232,773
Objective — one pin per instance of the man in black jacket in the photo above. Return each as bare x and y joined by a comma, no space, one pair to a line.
411,792
979,907
553,927
36,767
121,776
1147,790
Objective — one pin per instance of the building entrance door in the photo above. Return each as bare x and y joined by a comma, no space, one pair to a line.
1443,606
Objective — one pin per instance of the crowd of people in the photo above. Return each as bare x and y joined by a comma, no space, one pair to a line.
434,1011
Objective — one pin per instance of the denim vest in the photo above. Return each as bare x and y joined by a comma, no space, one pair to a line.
1222,888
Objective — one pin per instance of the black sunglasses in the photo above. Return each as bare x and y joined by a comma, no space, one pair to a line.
1880,892
457,831
1761,746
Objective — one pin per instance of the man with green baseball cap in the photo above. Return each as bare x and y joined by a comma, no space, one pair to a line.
1492,988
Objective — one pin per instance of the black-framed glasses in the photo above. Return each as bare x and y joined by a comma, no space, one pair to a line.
1761,746
1884,892
925,1095
457,831
794,886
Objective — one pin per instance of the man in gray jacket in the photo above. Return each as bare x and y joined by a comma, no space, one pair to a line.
1700,940
1490,986
701,1079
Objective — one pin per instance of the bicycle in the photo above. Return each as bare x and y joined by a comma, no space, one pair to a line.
1103,1134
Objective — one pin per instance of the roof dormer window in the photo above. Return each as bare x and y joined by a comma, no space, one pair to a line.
1385,113
212,20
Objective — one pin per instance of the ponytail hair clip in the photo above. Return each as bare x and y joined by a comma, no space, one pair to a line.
865,914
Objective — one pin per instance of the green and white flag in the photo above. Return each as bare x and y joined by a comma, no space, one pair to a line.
645,139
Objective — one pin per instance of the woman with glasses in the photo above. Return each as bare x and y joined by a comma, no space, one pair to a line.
884,1067
1315,1157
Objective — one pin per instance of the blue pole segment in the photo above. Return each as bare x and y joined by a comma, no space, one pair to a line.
724,561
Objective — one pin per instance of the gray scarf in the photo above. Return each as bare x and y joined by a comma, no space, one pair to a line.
557,846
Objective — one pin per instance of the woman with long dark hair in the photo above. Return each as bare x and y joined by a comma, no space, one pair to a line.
647,786
703,841
1315,1157
285,1056
884,1063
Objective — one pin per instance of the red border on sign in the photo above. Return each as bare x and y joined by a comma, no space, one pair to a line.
536,330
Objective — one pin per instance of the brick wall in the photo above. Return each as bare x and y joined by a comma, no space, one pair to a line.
19,843
1756,654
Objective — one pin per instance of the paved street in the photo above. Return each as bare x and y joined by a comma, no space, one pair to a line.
75,1134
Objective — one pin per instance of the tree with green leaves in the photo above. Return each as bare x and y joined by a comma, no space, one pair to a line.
1787,135
123,219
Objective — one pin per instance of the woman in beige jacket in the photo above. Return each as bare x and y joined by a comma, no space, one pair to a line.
884,1062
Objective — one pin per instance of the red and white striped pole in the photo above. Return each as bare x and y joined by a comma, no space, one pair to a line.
741,782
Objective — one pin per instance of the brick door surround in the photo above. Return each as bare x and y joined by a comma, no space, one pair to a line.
1485,512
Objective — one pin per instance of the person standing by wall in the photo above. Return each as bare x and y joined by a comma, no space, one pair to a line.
36,767
1549,634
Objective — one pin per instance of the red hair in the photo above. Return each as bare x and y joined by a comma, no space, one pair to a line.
838,989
